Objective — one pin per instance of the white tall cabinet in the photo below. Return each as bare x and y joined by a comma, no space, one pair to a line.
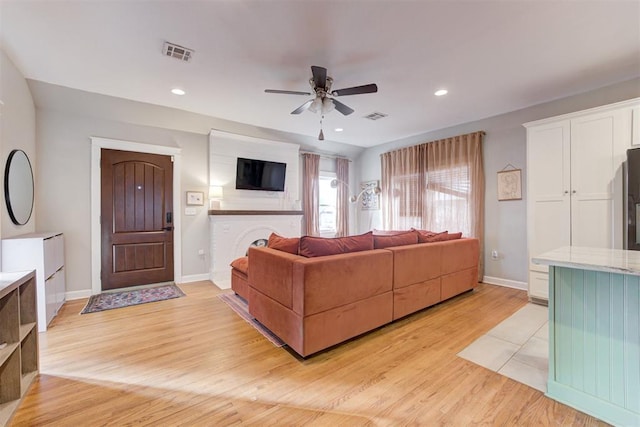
43,252
575,183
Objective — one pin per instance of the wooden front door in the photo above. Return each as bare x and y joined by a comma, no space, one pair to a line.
136,218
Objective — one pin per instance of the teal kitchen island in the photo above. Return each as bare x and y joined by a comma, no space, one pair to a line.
594,331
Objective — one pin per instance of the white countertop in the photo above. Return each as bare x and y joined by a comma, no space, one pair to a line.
596,259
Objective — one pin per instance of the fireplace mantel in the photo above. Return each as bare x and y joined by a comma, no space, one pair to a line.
257,212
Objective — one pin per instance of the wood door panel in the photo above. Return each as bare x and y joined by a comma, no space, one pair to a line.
140,256
137,233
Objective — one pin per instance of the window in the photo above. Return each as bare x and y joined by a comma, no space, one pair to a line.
328,198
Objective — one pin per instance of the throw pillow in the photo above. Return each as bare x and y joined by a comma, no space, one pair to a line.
320,246
241,264
425,236
406,238
284,244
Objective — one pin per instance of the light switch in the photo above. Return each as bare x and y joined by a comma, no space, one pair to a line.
190,211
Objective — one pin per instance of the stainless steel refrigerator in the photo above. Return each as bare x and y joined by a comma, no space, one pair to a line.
632,200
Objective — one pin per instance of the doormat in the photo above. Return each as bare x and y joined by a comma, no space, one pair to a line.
239,305
111,300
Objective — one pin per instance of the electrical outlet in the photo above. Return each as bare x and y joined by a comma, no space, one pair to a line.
494,254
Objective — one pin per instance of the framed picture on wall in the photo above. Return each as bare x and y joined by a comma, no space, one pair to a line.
370,197
510,185
195,198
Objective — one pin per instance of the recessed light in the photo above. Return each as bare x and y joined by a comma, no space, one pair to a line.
338,129
177,91
441,92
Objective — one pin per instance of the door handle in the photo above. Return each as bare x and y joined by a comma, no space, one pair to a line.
169,218
169,228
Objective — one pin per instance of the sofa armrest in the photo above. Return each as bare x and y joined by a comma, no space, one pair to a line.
271,273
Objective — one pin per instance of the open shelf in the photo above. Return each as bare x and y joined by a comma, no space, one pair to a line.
18,328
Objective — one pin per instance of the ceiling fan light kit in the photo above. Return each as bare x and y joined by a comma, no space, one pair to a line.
324,101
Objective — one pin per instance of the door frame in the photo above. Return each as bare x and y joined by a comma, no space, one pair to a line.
97,144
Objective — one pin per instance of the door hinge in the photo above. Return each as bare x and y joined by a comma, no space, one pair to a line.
172,159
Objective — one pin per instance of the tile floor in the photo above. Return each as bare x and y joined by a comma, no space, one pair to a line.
517,348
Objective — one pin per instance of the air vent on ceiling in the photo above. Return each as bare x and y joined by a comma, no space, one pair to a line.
375,116
179,52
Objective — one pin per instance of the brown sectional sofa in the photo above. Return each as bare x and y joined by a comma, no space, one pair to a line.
315,303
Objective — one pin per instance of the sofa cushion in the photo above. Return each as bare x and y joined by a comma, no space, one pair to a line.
285,244
430,237
406,238
241,264
320,246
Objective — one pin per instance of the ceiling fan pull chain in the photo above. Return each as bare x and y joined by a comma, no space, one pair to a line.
321,136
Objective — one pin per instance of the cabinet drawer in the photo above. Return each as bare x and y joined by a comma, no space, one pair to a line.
539,285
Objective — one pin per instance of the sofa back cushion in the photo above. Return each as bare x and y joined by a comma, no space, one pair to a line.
320,246
285,244
402,239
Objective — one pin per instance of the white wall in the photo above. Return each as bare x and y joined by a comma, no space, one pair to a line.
224,150
504,143
17,131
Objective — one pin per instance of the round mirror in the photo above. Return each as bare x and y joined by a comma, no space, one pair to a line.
18,187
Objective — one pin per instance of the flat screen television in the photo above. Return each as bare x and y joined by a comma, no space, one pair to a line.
263,175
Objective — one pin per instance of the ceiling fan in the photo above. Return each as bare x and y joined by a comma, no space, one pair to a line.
324,100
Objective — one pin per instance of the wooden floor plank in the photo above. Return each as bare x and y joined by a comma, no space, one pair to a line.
193,361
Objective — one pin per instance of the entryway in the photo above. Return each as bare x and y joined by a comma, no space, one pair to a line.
139,243
136,218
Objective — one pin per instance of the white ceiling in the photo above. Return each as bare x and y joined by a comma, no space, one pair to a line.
492,56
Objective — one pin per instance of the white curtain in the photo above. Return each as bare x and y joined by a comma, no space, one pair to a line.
311,194
342,202
436,186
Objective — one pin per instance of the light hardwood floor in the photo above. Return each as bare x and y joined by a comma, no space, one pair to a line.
193,361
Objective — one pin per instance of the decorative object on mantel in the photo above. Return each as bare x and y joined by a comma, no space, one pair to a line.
215,195
370,194
111,300
509,183
195,198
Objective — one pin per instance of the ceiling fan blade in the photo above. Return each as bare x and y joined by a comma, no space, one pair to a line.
287,92
319,76
356,90
342,108
303,107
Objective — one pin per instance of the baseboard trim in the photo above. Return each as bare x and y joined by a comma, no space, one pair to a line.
71,295
505,282
195,278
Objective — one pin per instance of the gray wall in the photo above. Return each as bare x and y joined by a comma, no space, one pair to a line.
17,131
67,119
64,187
504,143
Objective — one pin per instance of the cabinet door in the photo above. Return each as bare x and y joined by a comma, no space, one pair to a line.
539,285
50,289
548,180
61,289
598,147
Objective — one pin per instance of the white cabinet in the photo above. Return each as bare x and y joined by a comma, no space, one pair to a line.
575,183
43,252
